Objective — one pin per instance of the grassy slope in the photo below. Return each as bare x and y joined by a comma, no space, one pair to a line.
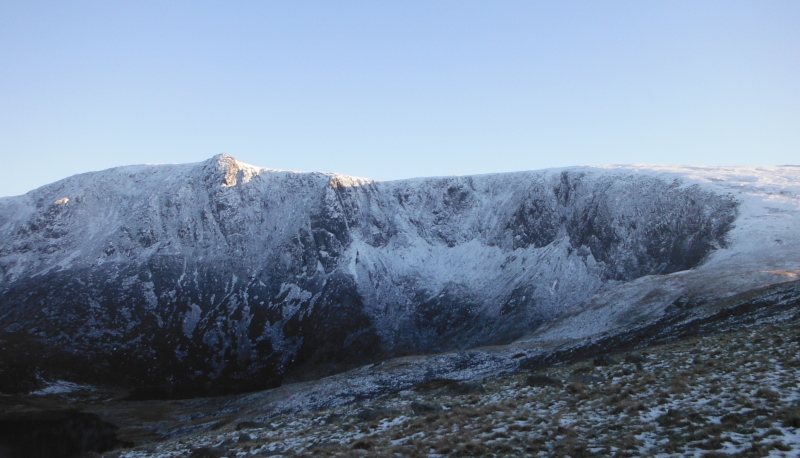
721,395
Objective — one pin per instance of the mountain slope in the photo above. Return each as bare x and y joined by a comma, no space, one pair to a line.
224,276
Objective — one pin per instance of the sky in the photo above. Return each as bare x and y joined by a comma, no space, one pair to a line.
392,90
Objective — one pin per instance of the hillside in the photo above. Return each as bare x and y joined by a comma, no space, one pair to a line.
216,277
720,380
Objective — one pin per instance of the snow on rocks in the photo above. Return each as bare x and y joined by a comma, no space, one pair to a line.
237,277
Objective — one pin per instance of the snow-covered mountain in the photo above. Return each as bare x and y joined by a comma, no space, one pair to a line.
242,277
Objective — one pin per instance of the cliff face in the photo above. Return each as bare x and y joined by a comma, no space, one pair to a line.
239,276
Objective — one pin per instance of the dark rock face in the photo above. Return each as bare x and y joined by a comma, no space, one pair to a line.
217,277
538,380
58,433
684,225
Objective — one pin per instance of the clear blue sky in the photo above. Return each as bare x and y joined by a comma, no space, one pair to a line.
392,90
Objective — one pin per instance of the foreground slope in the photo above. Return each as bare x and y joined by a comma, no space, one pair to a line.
719,379
221,276
723,395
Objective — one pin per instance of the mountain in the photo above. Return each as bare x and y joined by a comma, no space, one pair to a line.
220,276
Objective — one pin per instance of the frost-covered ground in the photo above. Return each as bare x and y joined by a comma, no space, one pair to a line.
731,394
749,349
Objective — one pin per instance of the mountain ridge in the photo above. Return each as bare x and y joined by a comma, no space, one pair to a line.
243,277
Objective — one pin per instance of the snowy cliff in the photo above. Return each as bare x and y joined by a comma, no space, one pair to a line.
242,277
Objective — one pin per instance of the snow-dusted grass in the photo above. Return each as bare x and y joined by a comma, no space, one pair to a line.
730,394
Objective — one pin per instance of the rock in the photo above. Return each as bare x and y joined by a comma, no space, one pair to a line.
244,437
362,444
420,408
376,414
672,418
792,422
465,388
686,302
635,358
584,378
435,384
208,452
604,360
251,425
733,419
538,380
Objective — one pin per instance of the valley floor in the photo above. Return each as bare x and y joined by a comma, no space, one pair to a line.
730,394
